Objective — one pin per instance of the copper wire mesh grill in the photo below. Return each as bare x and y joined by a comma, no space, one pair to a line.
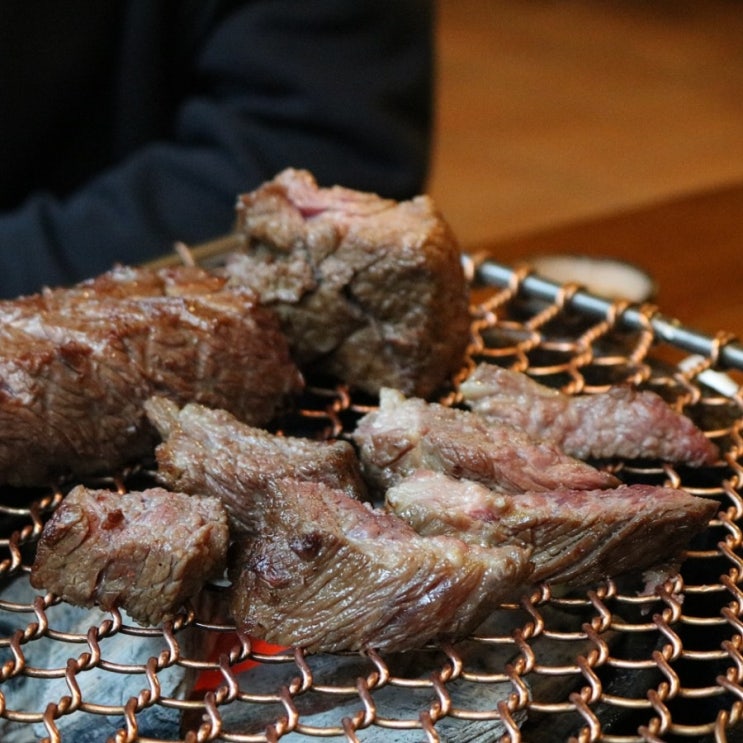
609,664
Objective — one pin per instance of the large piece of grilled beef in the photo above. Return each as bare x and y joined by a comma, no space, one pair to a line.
313,565
328,573
407,434
369,290
146,552
578,537
78,364
622,422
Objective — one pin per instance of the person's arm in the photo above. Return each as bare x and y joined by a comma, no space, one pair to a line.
340,87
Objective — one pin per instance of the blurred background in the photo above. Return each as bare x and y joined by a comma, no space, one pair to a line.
553,112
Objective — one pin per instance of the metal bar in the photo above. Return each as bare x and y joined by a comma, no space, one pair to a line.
202,252
728,354
491,273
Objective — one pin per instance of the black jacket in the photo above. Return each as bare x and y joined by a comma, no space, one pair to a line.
128,125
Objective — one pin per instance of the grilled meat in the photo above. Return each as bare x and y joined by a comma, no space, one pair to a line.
305,543
621,422
578,537
146,552
120,282
206,450
369,290
329,573
77,367
407,434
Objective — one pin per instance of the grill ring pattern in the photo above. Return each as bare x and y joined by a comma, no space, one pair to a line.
608,664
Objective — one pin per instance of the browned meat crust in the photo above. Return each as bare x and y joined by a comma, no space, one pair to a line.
328,573
76,368
578,537
119,283
207,450
622,422
369,290
407,434
146,552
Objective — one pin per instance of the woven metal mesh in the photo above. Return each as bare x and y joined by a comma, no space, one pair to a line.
609,664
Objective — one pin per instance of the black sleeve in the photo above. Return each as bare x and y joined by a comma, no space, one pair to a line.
340,87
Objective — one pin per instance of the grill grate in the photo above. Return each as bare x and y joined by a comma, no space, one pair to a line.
609,664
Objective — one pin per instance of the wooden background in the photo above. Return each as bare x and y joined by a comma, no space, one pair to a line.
600,127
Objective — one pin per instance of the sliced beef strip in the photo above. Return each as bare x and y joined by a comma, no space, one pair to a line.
578,537
407,434
369,290
75,375
145,552
622,422
328,573
208,450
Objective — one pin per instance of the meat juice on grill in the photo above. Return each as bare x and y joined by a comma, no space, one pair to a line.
622,422
407,434
204,450
369,290
578,537
146,552
328,573
76,368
